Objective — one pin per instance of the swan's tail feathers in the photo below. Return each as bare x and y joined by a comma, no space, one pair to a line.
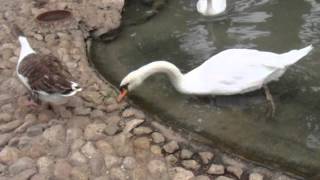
294,56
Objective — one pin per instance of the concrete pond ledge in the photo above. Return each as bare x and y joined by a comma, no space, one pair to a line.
92,137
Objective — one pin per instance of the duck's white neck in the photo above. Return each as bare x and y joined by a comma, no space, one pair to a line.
165,67
26,49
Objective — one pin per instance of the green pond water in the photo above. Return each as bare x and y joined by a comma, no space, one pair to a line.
180,35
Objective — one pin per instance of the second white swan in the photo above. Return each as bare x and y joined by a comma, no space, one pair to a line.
211,7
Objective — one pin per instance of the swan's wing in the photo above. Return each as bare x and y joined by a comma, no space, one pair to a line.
237,71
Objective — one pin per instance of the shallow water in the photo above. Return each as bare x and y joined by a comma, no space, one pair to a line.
180,35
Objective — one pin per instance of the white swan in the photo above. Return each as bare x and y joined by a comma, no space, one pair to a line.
211,7
233,71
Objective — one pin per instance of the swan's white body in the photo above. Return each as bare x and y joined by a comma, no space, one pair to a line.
211,7
233,71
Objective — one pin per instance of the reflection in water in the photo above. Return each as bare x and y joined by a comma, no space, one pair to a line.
311,26
180,35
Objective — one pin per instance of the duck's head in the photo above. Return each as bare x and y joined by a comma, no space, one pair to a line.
130,82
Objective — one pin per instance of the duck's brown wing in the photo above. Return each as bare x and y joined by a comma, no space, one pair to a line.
46,73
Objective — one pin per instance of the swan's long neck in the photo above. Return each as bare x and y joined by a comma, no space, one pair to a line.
165,67
209,6
26,49
216,7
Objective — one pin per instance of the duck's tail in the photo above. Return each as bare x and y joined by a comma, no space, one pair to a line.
75,88
294,56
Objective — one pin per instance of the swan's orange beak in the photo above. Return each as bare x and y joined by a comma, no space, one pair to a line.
122,95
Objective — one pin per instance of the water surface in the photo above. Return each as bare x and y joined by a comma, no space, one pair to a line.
180,35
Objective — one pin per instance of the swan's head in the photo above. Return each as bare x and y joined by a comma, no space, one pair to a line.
130,82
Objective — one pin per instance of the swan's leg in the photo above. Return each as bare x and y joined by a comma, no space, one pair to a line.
270,100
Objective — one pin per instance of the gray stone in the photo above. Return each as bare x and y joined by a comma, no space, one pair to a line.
104,147
113,107
21,165
132,124
130,112
30,117
74,134
4,138
60,150
232,162
55,134
27,123
111,161
78,159
3,169
216,169
206,157
156,150
201,177
142,130
157,137
111,129
117,174
35,130
255,176
223,178
190,164
8,155
171,159
157,167
102,178
89,150
97,114
40,177
129,163
284,177
78,122
97,164
24,175
142,143
5,117
10,126
95,131
178,173
237,171
4,99
171,147
62,169
121,144
79,174
45,165
186,154
82,111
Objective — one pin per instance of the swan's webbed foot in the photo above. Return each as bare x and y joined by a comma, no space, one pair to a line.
271,108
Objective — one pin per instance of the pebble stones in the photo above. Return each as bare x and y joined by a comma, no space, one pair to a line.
255,176
206,157
216,169
157,137
171,147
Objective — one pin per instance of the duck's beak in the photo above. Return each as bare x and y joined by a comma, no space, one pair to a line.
122,95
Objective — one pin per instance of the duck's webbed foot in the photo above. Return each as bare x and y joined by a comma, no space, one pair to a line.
33,101
271,108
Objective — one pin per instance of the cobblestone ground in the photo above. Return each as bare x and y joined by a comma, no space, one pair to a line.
91,137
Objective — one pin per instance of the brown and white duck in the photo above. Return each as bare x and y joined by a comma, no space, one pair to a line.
44,75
